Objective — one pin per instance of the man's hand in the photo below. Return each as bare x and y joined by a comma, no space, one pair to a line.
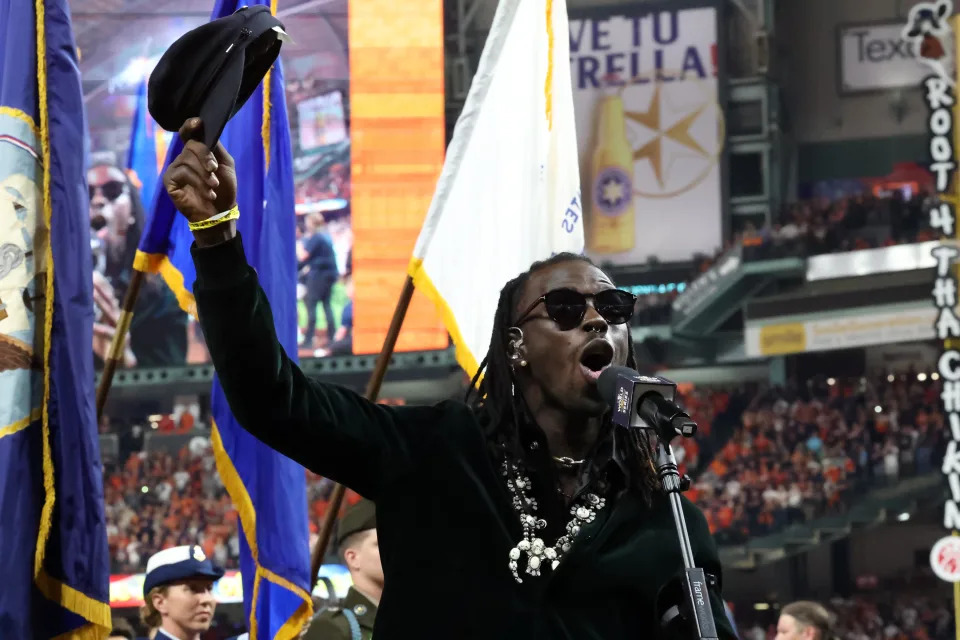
105,302
102,339
108,315
202,183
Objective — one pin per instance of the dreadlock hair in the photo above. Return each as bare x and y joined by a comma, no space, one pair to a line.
500,412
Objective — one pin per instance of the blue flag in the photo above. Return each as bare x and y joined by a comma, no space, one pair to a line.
142,156
268,489
55,563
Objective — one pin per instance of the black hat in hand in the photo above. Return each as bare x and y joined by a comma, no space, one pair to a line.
212,71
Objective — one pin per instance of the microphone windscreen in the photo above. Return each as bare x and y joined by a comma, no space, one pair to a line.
607,382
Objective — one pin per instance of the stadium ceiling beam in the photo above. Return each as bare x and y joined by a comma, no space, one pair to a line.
427,365
461,73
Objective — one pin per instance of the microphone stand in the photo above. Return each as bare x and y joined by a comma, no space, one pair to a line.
693,616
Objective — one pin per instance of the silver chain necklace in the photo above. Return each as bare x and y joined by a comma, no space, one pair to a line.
584,510
568,463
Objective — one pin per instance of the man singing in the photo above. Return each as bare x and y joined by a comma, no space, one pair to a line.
523,514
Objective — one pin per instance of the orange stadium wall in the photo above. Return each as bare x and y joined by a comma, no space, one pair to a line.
397,132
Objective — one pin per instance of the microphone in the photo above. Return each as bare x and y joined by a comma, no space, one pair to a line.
647,402
644,402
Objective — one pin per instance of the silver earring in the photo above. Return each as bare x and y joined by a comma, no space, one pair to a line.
523,363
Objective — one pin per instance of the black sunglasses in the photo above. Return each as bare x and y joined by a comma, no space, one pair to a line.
567,307
111,190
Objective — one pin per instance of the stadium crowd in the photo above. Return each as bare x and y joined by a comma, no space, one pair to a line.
158,500
847,223
800,453
824,225
161,498
812,227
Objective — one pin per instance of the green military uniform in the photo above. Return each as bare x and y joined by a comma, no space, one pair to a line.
332,623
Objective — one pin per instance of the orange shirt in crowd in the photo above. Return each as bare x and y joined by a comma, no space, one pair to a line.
725,516
833,474
762,444
730,451
711,520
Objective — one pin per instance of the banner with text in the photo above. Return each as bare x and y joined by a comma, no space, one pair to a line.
876,57
649,130
931,31
840,332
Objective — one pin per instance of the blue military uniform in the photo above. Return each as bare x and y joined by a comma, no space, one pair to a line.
175,564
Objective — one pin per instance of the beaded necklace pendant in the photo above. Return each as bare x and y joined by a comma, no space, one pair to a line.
584,511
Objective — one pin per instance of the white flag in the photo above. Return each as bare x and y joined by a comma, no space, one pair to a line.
509,192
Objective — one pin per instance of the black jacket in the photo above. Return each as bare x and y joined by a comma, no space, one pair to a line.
444,516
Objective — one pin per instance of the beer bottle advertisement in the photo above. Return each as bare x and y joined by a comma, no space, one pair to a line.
611,178
649,131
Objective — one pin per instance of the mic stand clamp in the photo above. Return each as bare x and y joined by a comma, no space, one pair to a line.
693,615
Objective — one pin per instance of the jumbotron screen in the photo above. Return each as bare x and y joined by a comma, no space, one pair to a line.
366,112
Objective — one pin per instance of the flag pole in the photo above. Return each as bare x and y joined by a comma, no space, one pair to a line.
119,340
371,393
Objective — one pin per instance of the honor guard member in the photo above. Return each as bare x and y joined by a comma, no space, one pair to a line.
178,593
352,618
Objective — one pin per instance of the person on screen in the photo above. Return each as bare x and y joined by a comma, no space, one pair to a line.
158,330
522,513
342,344
318,263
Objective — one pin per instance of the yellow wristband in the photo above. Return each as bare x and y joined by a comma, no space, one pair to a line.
226,216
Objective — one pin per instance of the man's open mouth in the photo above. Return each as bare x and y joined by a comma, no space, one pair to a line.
595,357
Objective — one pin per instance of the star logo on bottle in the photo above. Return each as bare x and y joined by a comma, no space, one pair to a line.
613,191
676,132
